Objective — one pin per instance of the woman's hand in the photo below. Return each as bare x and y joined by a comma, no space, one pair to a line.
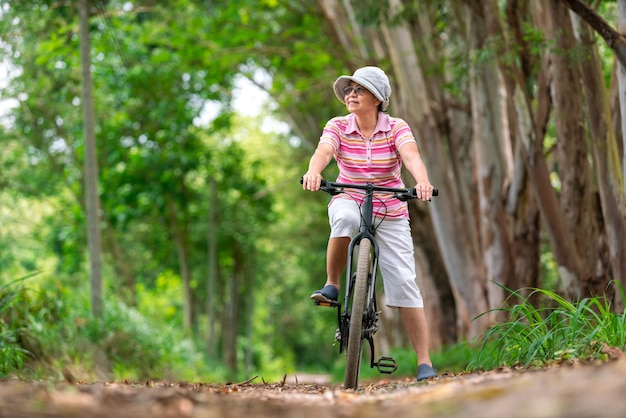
424,190
311,181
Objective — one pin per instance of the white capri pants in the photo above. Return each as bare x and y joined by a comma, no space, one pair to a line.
396,256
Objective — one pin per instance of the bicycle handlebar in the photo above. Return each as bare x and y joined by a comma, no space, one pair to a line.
335,188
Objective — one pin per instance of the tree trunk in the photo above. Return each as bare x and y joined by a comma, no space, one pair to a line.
611,197
230,328
621,28
560,242
576,193
531,136
178,230
492,159
248,297
521,204
212,267
91,166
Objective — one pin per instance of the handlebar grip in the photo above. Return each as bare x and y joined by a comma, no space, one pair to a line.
411,194
414,192
323,184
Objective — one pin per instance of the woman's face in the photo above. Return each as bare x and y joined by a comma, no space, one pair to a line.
358,98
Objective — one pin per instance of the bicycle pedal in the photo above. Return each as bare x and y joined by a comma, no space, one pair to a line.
327,304
386,365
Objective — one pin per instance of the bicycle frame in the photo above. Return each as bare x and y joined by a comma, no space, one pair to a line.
368,325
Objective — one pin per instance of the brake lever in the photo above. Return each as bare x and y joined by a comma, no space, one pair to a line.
333,191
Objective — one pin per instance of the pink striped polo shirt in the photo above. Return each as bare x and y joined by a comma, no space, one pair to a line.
375,160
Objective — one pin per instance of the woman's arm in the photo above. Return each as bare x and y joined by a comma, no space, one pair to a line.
413,162
320,159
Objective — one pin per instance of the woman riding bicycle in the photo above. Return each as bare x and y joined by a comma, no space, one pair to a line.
370,147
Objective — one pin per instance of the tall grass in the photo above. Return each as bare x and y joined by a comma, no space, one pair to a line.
562,330
531,336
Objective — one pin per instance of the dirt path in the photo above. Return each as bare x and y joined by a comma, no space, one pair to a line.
565,391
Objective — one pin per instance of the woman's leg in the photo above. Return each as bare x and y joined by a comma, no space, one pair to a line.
344,217
336,256
397,265
414,321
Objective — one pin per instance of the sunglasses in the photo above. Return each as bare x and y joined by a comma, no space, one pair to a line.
358,90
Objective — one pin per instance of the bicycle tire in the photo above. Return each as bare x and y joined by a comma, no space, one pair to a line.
359,298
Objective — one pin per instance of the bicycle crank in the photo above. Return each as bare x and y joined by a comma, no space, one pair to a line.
386,365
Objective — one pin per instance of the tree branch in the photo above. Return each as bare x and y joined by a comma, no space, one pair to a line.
613,38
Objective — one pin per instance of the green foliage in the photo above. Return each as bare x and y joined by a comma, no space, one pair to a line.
549,270
455,358
163,302
53,333
12,330
561,331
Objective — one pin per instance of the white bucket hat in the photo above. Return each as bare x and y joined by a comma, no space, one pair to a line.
372,78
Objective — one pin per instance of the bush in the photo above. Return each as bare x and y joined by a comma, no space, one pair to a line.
53,335
13,331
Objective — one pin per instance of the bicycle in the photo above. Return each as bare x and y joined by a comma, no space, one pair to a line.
360,314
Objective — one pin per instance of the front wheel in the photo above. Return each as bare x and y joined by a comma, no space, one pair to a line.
359,299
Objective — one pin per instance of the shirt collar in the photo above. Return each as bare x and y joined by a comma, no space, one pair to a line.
382,125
